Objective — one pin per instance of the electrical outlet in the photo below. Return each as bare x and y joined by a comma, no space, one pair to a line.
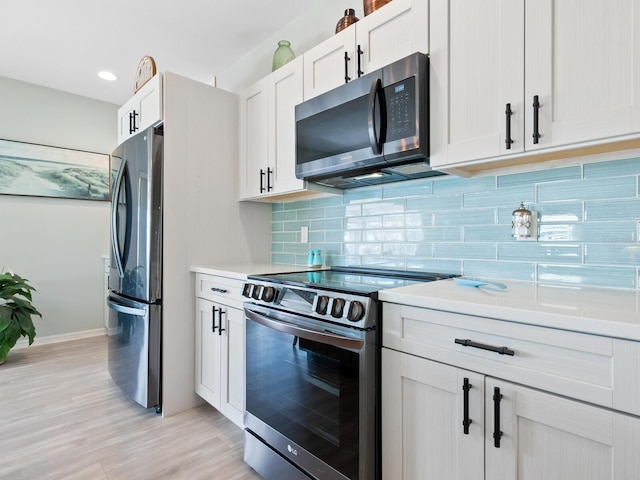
304,234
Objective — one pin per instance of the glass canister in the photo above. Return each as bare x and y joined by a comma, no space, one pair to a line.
348,19
282,55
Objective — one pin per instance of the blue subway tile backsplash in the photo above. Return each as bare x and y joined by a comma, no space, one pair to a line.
588,223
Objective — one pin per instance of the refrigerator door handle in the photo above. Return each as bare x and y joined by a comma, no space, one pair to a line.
114,212
139,312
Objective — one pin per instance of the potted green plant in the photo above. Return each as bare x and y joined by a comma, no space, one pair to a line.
16,311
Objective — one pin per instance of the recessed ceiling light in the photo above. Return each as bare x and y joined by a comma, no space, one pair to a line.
107,76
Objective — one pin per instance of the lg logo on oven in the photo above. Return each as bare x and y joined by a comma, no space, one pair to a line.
292,450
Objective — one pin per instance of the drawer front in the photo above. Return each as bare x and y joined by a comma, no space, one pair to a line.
567,363
227,291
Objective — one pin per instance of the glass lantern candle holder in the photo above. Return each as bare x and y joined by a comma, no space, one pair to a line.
524,224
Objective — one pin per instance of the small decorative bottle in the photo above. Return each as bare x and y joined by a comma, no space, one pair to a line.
317,258
348,19
282,55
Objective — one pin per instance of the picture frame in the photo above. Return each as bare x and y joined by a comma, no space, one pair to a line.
35,170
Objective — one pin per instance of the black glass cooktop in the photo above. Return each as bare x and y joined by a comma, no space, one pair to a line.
352,279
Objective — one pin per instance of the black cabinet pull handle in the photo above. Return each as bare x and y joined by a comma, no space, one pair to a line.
262,189
219,290
536,109
269,173
497,433
346,67
483,346
132,121
213,319
508,112
466,386
360,52
220,329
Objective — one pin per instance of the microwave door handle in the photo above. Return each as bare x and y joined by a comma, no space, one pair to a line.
315,335
375,133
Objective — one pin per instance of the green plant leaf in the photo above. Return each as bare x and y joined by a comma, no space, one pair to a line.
16,311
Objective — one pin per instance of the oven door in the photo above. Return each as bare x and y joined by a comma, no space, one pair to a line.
311,389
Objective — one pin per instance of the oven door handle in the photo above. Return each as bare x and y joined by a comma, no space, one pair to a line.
315,335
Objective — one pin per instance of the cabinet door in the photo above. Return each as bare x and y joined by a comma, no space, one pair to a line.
234,354
398,29
556,438
254,145
582,62
477,63
208,352
325,66
142,110
422,420
285,91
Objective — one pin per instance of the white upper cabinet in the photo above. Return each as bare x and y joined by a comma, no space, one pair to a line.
142,110
330,63
254,147
581,63
476,61
268,136
284,93
577,61
392,32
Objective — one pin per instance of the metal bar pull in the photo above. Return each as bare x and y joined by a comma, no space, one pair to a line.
132,121
346,67
483,346
269,173
508,140
466,421
262,189
213,319
220,313
497,433
219,290
536,109
360,52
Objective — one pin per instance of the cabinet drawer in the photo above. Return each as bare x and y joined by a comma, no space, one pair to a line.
224,290
578,365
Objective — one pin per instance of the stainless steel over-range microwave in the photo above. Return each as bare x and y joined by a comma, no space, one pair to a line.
371,130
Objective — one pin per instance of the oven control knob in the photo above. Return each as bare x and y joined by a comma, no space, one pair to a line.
246,290
337,308
268,294
255,294
356,311
322,304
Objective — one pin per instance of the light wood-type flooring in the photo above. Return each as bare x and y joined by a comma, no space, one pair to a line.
62,417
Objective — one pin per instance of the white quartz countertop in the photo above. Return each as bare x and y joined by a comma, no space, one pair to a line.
242,270
599,311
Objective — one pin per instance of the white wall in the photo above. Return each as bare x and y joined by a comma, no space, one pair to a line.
57,244
318,24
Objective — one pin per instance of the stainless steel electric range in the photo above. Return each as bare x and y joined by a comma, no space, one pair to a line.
313,372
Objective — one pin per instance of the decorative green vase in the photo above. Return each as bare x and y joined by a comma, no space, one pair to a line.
282,55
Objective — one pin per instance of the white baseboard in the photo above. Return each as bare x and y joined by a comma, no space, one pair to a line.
64,337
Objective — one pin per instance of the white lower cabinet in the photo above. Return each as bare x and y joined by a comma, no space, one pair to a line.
453,419
422,414
220,346
545,436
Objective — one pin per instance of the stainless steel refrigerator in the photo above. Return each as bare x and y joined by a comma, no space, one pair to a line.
135,277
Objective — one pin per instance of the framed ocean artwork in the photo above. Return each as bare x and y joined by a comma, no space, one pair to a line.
44,171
